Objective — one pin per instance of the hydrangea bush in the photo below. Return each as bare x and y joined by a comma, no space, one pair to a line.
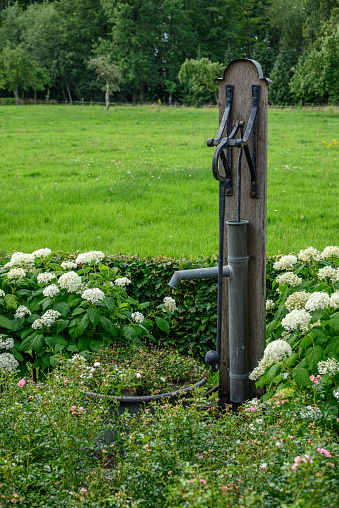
302,355
47,307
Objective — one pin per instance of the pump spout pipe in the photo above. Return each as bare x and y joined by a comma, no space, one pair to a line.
198,273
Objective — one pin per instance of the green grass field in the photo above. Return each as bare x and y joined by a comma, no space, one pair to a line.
139,180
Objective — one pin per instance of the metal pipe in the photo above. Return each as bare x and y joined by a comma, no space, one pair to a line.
198,273
238,310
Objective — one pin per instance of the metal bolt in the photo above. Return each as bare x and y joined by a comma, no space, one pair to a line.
228,180
252,193
255,99
255,89
253,183
228,90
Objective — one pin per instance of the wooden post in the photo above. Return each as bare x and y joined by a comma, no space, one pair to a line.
242,74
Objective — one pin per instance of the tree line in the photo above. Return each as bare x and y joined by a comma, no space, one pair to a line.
166,50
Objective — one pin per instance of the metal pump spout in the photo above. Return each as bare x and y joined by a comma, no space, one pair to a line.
198,273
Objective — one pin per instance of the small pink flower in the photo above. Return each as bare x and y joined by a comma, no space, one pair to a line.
203,482
66,381
163,407
81,409
291,437
73,408
21,383
294,466
252,409
325,452
315,379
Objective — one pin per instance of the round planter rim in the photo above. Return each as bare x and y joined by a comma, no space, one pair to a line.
148,398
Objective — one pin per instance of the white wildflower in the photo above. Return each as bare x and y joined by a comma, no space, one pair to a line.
8,362
21,312
330,252
42,253
289,278
93,295
68,265
138,375
163,379
170,304
137,317
45,278
6,342
269,305
122,282
274,353
335,393
51,290
329,366
70,281
297,300
328,273
285,262
93,256
46,319
263,465
334,300
2,293
96,365
16,273
297,319
76,358
309,254
285,375
317,300
310,413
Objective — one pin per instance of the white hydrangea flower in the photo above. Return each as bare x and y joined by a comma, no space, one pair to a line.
285,375
288,278
329,366
93,256
45,278
68,265
310,413
297,300
137,317
2,293
336,393
274,352
328,273
51,291
334,300
70,281
42,253
170,304
6,342
8,362
285,262
81,289
309,254
317,300
297,319
93,295
330,252
16,273
269,305
21,312
20,259
122,282
46,319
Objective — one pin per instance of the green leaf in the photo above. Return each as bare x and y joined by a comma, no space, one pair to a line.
79,329
313,356
73,347
84,343
103,269
46,302
5,322
73,301
46,359
96,344
25,332
11,302
37,362
109,327
144,305
301,376
162,324
93,315
63,308
270,327
334,324
273,372
129,333
78,311
32,343
18,356
62,324
306,342
18,324
110,304
55,339
290,361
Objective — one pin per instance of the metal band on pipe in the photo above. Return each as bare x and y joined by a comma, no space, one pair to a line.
238,376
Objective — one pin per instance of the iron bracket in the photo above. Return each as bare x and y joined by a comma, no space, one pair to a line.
229,141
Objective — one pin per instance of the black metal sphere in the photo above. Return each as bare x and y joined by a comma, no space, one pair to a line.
212,358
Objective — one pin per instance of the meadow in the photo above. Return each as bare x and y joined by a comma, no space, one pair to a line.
139,180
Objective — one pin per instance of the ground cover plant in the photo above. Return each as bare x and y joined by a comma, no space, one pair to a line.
139,180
